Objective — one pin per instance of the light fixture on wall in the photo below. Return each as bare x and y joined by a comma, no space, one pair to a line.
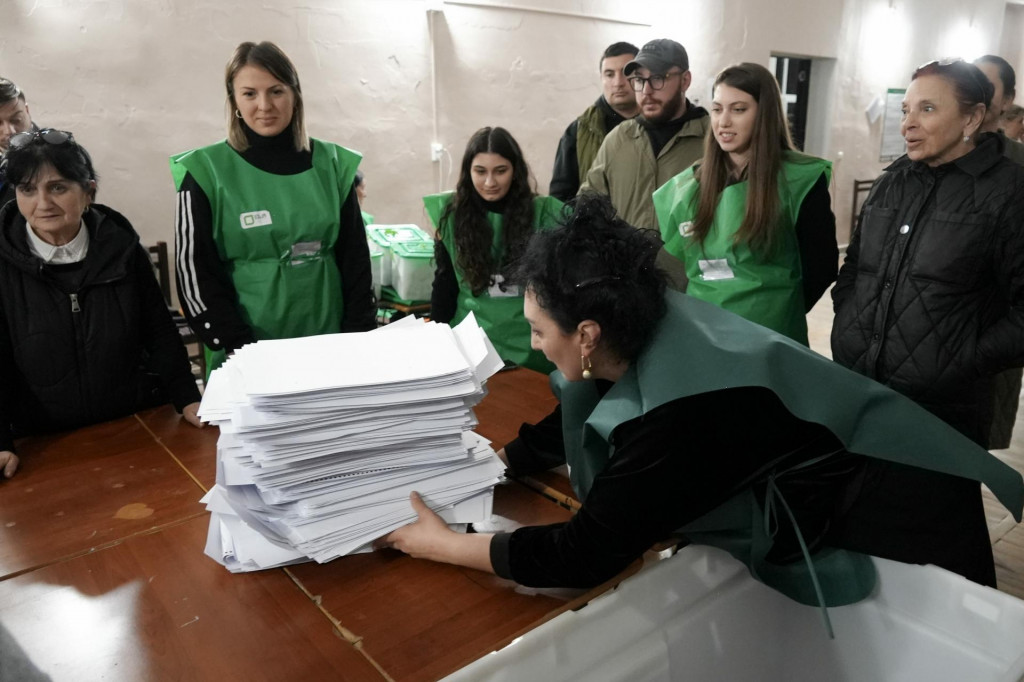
884,46
964,39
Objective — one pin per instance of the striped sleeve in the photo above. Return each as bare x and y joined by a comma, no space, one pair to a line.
184,242
205,291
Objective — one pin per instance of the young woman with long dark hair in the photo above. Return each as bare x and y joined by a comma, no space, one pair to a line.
482,231
753,221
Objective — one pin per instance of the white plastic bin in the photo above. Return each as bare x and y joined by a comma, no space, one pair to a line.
412,270
376,266
700,616
386,236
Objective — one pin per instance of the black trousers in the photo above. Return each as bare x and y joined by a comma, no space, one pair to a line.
917,516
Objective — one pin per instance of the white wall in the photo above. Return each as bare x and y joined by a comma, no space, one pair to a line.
1012,47
138,80
879,48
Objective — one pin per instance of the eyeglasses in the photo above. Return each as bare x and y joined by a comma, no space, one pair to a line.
47,135
656,82
9,89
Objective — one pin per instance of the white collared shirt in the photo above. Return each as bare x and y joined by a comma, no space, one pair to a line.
72,252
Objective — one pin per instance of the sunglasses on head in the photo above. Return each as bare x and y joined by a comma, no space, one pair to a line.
48,135
950,61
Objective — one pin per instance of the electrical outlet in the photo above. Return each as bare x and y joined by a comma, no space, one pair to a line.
435,151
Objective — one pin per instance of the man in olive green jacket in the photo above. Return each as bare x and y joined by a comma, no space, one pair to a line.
583,137
642,154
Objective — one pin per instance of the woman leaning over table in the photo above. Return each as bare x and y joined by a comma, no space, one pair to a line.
482,230
677,416
85,335
752,221
269,237
930,299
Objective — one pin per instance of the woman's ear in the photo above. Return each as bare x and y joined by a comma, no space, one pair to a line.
974,120
589,333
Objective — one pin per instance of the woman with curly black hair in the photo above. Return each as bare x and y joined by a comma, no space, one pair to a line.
482,231
676,416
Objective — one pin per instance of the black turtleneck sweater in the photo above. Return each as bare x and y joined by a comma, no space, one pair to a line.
220,324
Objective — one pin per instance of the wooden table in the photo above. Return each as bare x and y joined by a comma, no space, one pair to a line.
103,576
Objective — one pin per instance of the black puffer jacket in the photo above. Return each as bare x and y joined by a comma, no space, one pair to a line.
113,351
930,300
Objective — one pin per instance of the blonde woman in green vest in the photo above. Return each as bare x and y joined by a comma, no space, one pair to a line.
269,237
752,221
676,416
482,230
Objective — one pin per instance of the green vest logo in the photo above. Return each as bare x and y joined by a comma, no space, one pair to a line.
255,219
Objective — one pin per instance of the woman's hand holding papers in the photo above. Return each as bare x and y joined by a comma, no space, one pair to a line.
191,415
430,538
8,463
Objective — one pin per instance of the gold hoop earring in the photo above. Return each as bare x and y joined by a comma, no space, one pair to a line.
238,114
586,366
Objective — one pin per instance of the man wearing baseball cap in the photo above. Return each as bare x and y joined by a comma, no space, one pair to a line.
642,154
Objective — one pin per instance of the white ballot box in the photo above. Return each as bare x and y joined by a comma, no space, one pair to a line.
700,616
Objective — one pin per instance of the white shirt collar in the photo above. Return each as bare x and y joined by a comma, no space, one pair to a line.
72,252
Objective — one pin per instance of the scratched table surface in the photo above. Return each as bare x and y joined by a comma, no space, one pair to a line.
102,572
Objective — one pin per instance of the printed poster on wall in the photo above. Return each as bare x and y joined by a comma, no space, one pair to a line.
893,144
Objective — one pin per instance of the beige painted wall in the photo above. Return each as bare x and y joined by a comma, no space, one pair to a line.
137,80
1012,45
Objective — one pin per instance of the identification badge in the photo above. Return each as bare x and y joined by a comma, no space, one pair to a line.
716,268
255,219
304,252
501,290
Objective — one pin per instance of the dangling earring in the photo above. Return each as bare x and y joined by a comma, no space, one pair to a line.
586,366
238,114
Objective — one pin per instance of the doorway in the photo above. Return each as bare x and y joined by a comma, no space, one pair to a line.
794,77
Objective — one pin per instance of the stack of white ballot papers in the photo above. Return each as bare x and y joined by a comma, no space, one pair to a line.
323,438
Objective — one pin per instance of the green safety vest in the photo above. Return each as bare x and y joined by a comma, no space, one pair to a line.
767,291
275,235
500,317
698,348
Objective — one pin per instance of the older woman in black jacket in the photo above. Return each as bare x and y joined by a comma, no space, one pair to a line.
930,300
85,335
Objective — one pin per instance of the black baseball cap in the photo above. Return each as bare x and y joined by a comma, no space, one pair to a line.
658,56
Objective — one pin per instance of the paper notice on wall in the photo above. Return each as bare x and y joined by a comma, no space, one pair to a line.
893,144
875,110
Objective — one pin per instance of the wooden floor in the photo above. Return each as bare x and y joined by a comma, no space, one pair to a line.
1007,535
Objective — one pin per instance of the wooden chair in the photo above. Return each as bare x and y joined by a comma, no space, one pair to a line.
161,268
859,187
